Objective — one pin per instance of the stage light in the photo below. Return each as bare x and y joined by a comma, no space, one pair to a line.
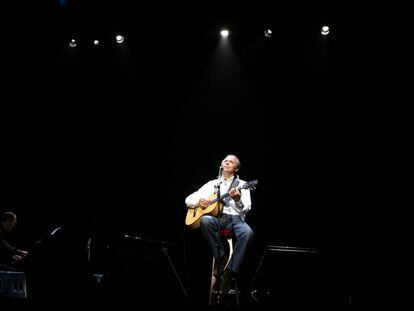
96,42
73,43
224,33
325,30
268,33
119,38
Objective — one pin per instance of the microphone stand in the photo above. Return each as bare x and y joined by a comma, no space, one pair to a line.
218,261
164,248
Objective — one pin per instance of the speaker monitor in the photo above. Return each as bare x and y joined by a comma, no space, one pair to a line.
289,277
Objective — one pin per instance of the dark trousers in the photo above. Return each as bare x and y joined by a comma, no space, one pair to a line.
210,227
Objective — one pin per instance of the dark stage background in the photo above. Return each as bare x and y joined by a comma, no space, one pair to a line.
109,140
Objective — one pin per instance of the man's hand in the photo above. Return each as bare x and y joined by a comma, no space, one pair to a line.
235,194
204,203
22,253
17,257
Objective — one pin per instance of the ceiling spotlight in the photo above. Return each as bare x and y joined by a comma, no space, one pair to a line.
268,33
72,43
119,38
224,33
96,42
325,30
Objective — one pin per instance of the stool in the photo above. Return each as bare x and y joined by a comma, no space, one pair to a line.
13,284
214,297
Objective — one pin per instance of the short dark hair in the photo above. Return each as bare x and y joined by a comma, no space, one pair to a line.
7,216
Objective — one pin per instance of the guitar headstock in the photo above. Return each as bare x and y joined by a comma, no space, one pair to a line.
250,185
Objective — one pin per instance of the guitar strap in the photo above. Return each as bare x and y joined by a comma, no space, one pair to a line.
233,184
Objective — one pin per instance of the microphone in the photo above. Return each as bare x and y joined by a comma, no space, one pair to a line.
220,171
217,187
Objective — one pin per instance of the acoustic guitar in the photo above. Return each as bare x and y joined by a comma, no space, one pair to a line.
194,213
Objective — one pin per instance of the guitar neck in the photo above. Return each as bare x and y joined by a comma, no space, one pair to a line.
248,185
220,198
224,195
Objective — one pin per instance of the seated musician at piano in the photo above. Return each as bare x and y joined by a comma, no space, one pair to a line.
10,256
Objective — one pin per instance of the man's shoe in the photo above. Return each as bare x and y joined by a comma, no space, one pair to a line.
227,281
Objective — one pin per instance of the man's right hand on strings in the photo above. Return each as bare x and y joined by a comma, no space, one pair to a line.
204,203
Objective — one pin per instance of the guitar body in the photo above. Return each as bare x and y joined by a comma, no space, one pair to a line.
194,214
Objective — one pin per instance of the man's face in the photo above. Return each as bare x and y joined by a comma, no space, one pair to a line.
9,224
230,164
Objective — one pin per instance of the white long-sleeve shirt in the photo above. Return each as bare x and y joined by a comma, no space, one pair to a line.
231,207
